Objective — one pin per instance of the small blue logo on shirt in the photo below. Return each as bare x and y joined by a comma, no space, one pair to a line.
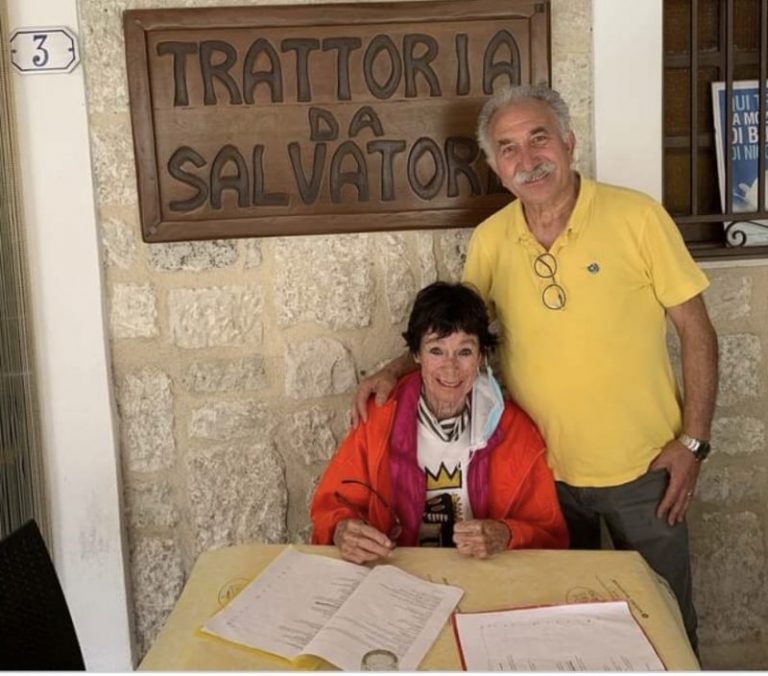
594,268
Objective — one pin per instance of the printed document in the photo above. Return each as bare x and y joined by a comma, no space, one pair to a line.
579,637
304,604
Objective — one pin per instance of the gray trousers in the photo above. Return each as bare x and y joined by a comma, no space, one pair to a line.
629,512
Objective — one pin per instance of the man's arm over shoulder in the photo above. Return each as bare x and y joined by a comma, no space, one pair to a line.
380,386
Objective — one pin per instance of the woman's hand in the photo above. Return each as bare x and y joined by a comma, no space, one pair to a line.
360,543
480,537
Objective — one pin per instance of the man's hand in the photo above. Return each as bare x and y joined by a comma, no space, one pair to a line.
480,537
683,469
360,543
379,384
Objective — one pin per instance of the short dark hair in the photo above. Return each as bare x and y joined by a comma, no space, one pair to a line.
445,308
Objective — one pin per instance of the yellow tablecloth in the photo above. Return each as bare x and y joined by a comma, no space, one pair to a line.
511,579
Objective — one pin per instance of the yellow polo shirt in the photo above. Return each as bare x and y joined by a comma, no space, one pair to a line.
595,375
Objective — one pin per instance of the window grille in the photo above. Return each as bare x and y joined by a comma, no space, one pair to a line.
708,41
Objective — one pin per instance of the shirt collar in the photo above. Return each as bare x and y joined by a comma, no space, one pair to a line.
576,222
447,430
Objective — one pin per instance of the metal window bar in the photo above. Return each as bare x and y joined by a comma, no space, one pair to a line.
693,92
726,37
727,62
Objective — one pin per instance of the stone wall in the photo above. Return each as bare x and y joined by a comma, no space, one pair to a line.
233,363
729,517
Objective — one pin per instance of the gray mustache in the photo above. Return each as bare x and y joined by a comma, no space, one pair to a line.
539,171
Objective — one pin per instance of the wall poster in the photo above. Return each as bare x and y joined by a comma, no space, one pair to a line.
744,153
282,120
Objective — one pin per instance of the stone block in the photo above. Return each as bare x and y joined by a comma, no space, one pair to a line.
399,284
101,32
237,494
739,435
568,79
326,280
583,154
729,568
741,359
225,375
729,297
308,436
425,251
151,505
453,244
253,254
145,402
215,317
133,311
229,420
318,368
119,244
303,535
750,654
572,71
302,532
113,161
192,256
729,485
571,30
157,576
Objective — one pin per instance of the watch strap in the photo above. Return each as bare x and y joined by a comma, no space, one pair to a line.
699,447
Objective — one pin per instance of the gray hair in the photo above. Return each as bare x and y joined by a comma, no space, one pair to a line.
511,96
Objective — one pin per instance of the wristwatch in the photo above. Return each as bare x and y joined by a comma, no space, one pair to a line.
698,447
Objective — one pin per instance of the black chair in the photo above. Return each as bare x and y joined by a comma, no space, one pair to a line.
36,630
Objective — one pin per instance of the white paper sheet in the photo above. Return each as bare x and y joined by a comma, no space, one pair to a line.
304,604
283,608
578,637
391,610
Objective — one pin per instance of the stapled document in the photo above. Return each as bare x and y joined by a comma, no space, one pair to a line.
579,637
308,605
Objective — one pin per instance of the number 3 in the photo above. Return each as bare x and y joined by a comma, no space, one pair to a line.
41,58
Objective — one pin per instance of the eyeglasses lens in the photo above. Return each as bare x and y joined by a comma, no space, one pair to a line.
553,295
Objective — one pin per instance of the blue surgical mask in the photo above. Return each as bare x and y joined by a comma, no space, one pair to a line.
487,407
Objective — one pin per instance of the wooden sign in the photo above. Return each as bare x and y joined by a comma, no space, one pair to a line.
256,121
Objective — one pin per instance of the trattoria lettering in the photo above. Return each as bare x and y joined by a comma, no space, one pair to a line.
358,163
242,74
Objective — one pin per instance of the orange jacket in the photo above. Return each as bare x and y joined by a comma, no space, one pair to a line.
514,484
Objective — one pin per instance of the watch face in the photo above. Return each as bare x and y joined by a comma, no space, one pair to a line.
702,451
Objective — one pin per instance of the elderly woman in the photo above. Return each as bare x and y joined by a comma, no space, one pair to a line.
446,461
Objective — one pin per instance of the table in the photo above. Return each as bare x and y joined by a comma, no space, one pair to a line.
510,579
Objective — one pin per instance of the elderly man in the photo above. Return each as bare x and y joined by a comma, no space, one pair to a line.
582,277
